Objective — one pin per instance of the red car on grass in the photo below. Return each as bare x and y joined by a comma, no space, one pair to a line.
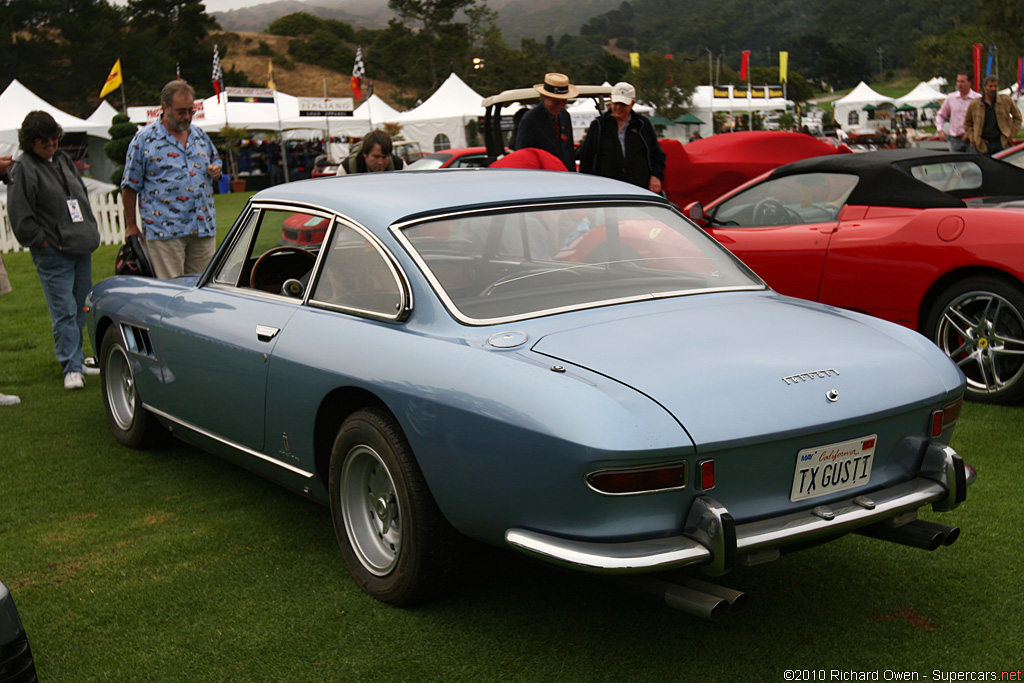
930,240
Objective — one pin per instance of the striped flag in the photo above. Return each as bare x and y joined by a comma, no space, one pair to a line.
358,74
218,75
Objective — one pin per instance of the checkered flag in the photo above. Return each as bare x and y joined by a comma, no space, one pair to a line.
218,75
358,74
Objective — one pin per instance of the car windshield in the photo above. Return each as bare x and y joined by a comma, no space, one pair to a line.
507,265
429,162
790,200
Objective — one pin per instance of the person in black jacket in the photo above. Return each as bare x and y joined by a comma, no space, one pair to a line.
622,144
548,126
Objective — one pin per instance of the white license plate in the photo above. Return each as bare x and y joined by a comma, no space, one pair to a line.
835,467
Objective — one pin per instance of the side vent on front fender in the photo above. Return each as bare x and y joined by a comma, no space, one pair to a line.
137,340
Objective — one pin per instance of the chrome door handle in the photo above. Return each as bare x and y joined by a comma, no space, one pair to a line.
265,332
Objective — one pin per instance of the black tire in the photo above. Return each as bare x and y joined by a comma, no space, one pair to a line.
397,545
131,424
979,323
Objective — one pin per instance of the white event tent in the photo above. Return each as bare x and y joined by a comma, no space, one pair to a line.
921,95
16,101
446,113
704,106
282,113
849,111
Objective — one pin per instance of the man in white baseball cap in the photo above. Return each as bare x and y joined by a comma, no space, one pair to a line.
622,144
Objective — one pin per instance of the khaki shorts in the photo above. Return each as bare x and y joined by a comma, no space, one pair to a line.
181,255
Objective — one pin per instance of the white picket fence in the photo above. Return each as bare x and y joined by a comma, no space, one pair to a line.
109,216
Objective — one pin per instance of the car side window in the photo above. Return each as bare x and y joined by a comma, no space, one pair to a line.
790,200
356,276
268,257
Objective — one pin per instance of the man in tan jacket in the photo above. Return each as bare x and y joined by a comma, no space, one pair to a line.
992,120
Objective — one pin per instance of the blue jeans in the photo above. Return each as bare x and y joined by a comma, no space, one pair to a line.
66,280
958,145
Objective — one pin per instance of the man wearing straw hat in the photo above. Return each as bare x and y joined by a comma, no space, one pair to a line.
548,126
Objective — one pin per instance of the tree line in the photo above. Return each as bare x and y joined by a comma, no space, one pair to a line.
63,49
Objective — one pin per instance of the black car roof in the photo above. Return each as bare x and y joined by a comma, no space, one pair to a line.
886,180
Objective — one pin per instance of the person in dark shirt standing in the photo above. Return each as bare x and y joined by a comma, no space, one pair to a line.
548,126
622,144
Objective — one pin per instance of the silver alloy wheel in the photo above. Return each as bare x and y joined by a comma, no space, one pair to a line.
119,383
373,518
984,335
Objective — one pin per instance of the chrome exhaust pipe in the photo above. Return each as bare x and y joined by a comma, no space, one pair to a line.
737,599
917,534
683,598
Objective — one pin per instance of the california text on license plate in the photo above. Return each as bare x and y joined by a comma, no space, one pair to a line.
831,468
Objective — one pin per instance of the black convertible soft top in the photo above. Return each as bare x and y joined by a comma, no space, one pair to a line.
886,180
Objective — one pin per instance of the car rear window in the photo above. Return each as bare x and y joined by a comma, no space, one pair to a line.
506,265
949,176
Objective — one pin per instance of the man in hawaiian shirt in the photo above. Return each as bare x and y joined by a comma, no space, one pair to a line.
170,171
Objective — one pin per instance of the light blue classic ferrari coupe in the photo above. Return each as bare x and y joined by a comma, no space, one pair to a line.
558,363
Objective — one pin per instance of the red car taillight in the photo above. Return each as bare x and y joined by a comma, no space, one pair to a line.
639,479
706,474
941,419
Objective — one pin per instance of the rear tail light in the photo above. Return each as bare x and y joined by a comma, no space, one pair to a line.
947,416
706,475
620,482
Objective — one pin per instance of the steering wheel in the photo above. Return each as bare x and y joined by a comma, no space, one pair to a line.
254,280
770,211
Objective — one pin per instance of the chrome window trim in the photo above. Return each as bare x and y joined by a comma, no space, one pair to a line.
258,207
397,274
453,310
227,442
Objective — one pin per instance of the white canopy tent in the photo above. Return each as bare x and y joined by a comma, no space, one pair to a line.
849,111
921,95
102,115
16,101
102,167
446,113
704,105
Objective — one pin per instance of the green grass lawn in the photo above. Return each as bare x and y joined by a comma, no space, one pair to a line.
173,565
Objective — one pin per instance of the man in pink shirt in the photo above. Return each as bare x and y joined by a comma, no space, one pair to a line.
953,110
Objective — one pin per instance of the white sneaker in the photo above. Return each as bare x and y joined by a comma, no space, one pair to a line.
86,370
74,380
9,400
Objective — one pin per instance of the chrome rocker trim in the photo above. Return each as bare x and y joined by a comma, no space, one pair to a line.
227,442
711,537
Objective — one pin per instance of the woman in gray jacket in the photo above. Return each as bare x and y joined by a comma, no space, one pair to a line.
50,213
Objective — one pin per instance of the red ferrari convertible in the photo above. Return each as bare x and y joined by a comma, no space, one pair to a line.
931,240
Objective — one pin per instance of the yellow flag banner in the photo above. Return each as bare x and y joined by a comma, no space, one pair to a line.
270,75
634,60
783,67
113,80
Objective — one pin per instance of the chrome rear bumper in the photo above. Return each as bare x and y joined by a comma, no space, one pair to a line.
713,540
